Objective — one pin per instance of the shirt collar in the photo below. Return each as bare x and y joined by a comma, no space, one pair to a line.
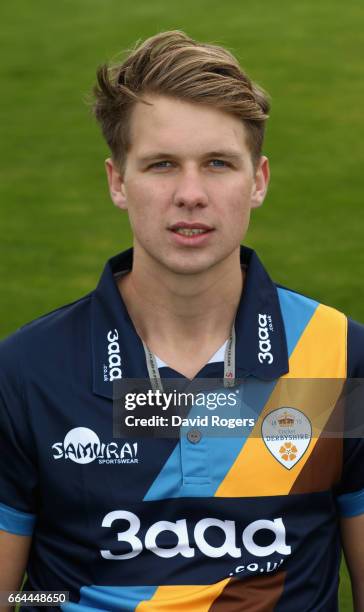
261,347
117,350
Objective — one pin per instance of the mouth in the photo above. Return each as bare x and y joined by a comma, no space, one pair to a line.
190,229
191,234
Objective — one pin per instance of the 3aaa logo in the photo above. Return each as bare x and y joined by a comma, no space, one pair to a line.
287,434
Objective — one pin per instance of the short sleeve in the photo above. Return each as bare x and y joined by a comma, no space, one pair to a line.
350,492
18,474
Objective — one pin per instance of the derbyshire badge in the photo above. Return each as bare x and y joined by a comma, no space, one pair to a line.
287,434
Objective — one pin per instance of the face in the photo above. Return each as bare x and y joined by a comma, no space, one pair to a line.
189,184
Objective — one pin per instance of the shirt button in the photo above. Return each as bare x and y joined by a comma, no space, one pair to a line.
194,436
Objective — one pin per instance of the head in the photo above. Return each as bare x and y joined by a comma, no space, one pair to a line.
185,127
174,65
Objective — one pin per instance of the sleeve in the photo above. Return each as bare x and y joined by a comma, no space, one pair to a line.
350,493
18,474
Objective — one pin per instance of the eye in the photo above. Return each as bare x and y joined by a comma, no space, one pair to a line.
161,164
219,163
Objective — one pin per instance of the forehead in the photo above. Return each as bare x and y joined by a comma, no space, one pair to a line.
182,125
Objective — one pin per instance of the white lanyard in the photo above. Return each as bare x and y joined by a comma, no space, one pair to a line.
229,365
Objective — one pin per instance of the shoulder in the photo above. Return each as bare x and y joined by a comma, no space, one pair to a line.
297,300
304,315
295,303
332,322
355,349
45,336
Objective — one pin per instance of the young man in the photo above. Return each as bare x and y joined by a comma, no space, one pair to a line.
193,522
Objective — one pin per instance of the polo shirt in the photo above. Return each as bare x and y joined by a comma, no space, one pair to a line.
247,522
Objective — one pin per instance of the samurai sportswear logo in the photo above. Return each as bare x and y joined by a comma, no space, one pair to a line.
82,445
264,326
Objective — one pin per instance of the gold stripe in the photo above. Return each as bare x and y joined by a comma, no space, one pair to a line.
321,350
181,598
319,354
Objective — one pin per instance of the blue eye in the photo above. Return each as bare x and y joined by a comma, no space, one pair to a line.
161,164
221,163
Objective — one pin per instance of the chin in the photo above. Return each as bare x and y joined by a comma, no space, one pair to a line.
188,265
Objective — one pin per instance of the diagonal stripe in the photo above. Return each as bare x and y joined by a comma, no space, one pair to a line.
319,353
323,465
190,470
258,593
196,598
297,311
114,598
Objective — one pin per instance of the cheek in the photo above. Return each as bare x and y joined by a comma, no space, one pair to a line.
237,201
147,197
145,210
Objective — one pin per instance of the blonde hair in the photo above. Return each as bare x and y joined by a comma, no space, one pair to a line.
172,64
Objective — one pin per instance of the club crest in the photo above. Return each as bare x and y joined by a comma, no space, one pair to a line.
286,433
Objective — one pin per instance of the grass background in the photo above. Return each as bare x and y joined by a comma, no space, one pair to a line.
57,223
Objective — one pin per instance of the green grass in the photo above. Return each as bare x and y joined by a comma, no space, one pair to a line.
57,223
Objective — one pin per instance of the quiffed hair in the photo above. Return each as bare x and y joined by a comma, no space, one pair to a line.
172,64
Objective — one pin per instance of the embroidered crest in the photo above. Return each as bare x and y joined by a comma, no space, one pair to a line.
287,434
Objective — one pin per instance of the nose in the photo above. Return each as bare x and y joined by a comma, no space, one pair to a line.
190,190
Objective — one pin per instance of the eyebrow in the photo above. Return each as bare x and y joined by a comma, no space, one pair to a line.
226,153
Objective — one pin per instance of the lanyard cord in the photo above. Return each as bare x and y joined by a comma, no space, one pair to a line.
229,364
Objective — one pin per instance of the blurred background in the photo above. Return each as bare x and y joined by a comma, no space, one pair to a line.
57,223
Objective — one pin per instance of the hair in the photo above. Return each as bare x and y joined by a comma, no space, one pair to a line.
172,64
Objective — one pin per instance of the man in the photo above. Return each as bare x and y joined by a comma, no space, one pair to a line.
193,521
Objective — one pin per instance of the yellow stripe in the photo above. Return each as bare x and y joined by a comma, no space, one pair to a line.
319,354
198,598
321,350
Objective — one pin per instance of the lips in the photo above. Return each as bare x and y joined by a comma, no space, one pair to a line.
190,229
184,231
187,235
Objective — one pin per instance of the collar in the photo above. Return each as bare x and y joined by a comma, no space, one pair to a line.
117,350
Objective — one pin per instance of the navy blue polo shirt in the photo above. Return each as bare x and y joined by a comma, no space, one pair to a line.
169,523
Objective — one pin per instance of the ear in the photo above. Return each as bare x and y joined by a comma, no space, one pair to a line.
116,184
262,175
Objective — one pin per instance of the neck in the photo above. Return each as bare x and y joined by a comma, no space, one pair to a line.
170,309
